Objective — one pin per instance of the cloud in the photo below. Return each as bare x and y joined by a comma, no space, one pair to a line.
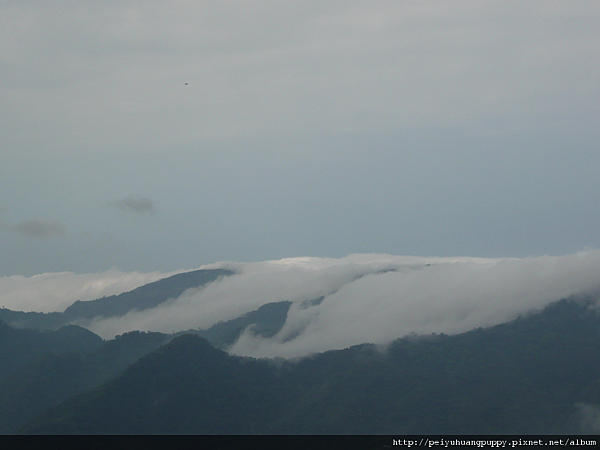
443,298
38,228
369,298
102,69
56,291
140,205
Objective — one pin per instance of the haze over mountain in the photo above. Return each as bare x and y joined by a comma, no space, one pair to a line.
328,303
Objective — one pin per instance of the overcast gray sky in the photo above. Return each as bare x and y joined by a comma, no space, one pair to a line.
306,128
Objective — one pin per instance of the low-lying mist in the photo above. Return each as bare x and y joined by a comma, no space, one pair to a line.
368,298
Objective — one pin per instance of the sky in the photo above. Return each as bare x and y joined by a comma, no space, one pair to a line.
153,137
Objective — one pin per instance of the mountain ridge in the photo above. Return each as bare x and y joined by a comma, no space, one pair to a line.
144,297
529,375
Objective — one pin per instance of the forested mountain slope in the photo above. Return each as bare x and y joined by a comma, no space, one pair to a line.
537,374
40,369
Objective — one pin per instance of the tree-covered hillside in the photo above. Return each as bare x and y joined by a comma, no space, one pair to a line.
41,369
537,374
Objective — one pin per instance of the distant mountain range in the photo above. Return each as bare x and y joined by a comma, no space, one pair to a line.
144,297
537,374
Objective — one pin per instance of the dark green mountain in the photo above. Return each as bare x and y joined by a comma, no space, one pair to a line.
144,297
40,369
43,368
53,354
19,347
188,386
537,374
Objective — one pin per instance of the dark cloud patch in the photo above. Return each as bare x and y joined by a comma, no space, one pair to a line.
140,205
39,228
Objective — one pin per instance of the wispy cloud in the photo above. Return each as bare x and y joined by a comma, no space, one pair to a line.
38,228
137,205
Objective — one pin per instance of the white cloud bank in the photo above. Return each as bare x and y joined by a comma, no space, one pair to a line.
50,292
369,298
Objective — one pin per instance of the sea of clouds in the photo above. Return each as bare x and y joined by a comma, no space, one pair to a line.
367,297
